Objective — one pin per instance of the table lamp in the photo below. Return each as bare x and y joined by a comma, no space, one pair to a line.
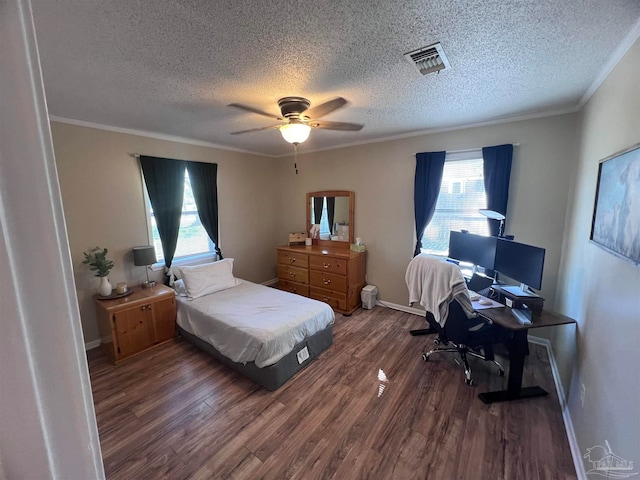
145,256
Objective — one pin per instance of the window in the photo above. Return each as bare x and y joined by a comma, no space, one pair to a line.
192,237
461,196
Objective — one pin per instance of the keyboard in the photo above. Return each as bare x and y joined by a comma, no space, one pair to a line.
523,316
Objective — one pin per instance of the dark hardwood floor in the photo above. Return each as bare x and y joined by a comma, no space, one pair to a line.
368,407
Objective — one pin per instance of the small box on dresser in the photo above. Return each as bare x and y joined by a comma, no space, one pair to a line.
134,323
331,275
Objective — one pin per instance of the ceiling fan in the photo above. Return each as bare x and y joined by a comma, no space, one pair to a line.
299,118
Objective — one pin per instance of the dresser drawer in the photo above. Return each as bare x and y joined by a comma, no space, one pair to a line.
334,299
293,287
328,264
328,281
291,258
293,274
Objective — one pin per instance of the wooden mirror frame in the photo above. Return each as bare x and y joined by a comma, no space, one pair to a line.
333,193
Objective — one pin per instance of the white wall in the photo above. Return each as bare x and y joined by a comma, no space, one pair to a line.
598,289
103,201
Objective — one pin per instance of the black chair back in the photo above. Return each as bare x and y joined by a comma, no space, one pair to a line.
456,328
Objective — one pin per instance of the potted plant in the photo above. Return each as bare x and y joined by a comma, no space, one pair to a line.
98,262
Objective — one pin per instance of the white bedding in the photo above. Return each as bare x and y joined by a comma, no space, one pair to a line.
253,323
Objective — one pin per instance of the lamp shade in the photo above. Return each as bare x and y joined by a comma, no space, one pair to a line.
144,255
295,132
492,214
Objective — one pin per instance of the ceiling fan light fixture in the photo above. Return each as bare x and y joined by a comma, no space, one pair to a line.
295,132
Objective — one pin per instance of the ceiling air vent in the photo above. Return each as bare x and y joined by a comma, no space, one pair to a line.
428,59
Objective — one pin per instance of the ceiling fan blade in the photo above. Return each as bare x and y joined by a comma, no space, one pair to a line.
253,110
256,129
325,108
354,127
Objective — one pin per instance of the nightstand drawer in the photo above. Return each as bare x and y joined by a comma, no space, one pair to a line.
294,259
293,274
328,264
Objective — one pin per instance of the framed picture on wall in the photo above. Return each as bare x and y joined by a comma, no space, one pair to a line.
616,213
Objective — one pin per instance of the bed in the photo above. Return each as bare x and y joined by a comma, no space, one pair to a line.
263,333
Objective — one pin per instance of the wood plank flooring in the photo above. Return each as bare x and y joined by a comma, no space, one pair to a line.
368,407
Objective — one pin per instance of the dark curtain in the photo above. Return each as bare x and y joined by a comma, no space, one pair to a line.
429,167
331,212
317,209
164,179
204,183
497,171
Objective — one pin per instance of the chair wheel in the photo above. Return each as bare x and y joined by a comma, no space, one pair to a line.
437,341
501,372
425,357
469,381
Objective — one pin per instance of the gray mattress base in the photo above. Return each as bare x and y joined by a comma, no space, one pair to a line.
273,376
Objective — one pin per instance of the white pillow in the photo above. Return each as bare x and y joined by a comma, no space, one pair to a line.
200,280
180,289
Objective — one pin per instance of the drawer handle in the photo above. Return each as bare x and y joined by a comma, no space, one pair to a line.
326,265
326,281
292,260
293,290
325,299
291,274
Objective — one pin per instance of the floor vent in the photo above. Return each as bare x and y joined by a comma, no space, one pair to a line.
429,59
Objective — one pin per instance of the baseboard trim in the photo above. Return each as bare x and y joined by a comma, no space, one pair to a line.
93,344
402,308
271,283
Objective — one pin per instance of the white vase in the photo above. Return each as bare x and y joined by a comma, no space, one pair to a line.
104,288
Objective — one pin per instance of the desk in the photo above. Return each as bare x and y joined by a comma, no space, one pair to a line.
518,348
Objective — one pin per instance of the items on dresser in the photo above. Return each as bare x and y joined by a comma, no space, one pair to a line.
136,322
331,275
297,238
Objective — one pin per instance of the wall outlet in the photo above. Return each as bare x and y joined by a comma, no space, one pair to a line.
583,392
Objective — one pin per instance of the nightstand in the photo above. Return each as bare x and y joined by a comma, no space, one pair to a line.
139,321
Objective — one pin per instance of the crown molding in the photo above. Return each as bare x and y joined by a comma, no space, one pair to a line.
615,58
154,135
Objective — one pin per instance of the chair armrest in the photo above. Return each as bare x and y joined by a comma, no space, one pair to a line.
484,318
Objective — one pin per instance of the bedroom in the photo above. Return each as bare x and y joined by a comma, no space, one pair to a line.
538,208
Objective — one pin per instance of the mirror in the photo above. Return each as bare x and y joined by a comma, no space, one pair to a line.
330,218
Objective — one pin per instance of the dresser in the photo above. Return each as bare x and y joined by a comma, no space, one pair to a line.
136,322
331,275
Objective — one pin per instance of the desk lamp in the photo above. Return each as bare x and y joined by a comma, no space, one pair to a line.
145,256
493,215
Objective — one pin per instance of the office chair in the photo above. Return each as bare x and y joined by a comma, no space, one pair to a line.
465,336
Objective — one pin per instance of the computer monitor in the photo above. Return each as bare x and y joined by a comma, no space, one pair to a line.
477,249
521,262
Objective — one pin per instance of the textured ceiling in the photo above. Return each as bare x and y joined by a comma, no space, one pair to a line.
172,67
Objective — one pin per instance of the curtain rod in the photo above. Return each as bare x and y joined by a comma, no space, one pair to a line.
474,149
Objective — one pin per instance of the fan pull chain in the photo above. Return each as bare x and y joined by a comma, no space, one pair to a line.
295,157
